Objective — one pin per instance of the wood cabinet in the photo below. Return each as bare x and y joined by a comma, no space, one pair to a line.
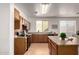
16,14
55,49
19,21
52,47
29,38
68,50
16,24
21,18
16,19
20,45
39,38
35,38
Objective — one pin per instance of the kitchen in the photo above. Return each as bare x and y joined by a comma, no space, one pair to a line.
35,23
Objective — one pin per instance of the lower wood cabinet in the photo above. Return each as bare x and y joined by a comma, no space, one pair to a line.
29,38
20,45
39,38
35,38
52,47
68,50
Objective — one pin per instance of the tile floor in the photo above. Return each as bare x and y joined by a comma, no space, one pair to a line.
38,49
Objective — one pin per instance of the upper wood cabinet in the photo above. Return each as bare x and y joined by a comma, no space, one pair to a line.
16,19
19,21
16,14
16,24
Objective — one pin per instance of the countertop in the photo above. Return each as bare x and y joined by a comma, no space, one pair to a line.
39,32
58,40
20,37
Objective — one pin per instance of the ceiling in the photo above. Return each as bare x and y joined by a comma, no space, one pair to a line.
55,10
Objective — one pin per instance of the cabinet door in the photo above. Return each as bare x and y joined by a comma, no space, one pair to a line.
21,19
68,50
50,47
35,38
16,24
16,14
26,43
54,51
41,39
19,46
54,48
45,38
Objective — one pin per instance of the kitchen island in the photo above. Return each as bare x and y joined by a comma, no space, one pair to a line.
62,47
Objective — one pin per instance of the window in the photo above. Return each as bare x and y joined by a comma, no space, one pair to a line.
69,27
41,26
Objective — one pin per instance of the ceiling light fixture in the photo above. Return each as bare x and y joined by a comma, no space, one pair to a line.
44,7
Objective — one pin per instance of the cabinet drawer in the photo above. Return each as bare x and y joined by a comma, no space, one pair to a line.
54,51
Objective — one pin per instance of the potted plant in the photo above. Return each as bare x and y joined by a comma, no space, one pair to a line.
63,35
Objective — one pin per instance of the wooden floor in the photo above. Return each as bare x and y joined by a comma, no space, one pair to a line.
38,49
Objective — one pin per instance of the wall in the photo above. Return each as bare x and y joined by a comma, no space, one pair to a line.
53,20
4,28
11,29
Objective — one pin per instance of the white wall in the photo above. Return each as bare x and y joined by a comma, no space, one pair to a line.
51,21
4,28
11,29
